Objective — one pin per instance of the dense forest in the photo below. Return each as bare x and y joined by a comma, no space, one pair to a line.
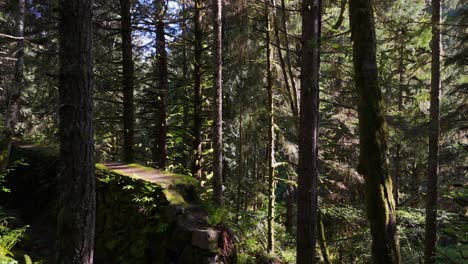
233,131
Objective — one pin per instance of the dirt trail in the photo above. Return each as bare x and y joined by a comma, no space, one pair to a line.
144,173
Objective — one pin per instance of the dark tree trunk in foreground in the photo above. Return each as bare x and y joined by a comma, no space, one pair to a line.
373,165
434,130
197,98
14,91
217,102
159,144
127,81
308,132
75,230
271,140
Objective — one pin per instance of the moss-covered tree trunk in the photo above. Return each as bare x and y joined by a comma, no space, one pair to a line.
271,139
13,93
76,219
217,102
127,81
322,239
373,165
434,128
159,149
197,98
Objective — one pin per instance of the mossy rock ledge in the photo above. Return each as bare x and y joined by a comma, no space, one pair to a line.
143,215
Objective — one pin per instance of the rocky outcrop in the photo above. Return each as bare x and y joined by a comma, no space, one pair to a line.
143,215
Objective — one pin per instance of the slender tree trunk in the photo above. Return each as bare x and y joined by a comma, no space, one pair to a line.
197,98
255,171
288,59
76,218
217,102
341,17
322,240
289,93
185,70
308,132
401,74
373,165
127,81
289,221
13,95
159,143
434,130
271,141
241,163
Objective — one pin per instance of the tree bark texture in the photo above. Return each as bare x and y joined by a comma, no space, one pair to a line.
197,98
434,131
127,82
13,94
159,150
271,140
373,165
217,102
76,218
308,132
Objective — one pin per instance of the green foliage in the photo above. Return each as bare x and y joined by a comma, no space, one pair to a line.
217,216
250,238
9,237
128,214
10,169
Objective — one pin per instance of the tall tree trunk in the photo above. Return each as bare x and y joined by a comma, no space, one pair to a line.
289,221
434,130
14,91
271,141
290,193
185,68
217,102
255,191
197,98
401,74
127,81
322,239
160,133
308,131
289,93
240,175
76,218
373,165
288,58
